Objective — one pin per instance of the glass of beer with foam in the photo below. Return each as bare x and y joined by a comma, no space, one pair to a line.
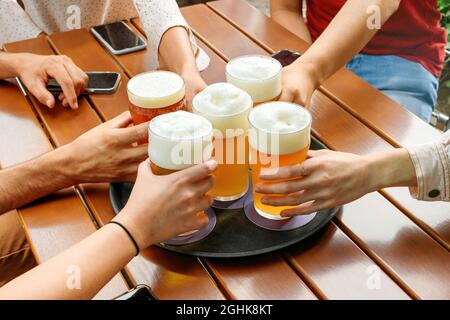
279,135
177,141
227,107
153,93
259,76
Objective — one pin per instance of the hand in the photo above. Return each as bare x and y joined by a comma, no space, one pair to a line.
299,83
326,180
162,207
106,153
194,84
35,71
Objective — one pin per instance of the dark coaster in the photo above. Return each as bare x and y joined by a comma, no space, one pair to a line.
197,235
274,225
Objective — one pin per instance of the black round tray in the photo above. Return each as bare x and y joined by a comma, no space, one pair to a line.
234,235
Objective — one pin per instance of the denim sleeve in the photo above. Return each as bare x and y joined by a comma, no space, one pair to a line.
432,165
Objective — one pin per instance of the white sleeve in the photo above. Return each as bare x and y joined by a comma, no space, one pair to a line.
15,24
432,165
158,16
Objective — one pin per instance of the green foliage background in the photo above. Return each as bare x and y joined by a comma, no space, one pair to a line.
444,7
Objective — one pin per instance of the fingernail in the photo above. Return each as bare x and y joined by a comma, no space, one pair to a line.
75,106
49,103
211,164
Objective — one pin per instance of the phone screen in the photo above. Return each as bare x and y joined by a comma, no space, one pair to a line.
98,82
286,57
119,36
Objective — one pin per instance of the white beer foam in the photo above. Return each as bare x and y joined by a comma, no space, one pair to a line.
258,75
178,140
280,128
225,105
156,89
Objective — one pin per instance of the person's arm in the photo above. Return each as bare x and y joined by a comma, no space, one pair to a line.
326,55
288,13
36,70
171,43
329,179
150,217
15,24
102,154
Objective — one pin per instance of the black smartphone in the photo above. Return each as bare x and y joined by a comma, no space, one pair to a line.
99,83
140,293
118,38
286,57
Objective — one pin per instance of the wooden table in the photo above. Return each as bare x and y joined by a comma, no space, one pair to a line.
383,246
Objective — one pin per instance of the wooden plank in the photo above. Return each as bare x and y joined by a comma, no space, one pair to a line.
339,269
63,209
22,137
413,257
142,269
392,122
347,138
231,275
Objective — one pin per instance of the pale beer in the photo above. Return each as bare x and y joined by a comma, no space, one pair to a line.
259,76
227,107
279,136
177,141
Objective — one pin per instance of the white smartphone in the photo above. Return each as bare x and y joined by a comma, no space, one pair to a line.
99,83
118,38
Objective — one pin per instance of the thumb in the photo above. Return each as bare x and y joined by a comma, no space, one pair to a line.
121,121
39,90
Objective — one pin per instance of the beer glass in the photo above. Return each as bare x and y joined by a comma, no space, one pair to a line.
177,141
279,135
154,93
259,76
227,107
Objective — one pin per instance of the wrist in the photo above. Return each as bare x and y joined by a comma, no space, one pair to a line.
63,164
393,168
125,217
310,71
11,63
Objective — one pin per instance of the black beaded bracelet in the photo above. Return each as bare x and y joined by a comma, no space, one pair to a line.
128,233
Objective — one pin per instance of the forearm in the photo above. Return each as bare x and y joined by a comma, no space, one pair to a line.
29,181
9,65
347,34
78,273
288,13
176,53
392,168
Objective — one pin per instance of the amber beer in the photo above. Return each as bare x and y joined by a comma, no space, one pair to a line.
177,141
259,76
227,107
279,135
154,93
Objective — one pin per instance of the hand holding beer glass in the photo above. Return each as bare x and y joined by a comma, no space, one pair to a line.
227,107
177,141
279,135
259,76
